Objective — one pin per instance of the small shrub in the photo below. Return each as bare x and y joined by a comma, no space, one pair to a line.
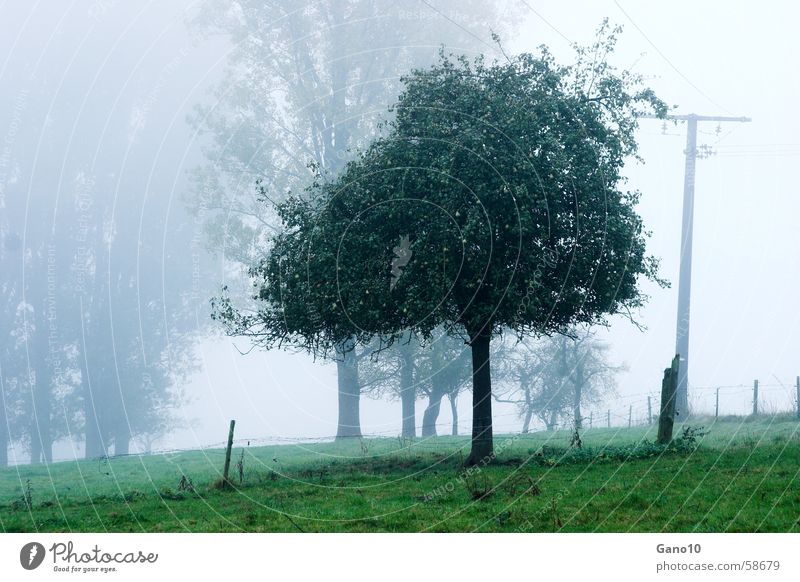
478,486
185,484
523,485
688,440
25,501
168,493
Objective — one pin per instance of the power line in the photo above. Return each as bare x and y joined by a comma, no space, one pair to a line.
669,62
547,22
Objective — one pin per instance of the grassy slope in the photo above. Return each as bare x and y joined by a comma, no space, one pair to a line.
745,476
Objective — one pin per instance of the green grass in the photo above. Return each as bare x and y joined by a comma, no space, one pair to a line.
743,476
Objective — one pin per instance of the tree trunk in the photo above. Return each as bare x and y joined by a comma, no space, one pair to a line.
408,395
482,443
551,423
526,423
431,414
41,446
93,414
122,441
576,410
3,449
453,398
4,421
579,382
94,439
36,446
349,425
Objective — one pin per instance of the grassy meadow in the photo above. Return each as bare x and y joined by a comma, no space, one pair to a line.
737,475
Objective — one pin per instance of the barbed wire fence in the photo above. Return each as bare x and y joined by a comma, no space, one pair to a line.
626,411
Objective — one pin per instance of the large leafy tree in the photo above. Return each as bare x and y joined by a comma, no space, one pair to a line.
505,179
305,84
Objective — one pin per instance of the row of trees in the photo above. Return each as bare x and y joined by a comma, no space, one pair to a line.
97,317
548,380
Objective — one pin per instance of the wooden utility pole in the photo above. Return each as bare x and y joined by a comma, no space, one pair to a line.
226,470
608,418
669,389
716,407
649,411
591,416
685,278
755,397
630,415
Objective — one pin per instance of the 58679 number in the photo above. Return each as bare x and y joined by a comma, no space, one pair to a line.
757,565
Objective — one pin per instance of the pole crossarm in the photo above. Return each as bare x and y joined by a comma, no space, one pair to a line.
695,117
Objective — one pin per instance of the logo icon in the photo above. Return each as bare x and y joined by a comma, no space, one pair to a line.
402,255
31,555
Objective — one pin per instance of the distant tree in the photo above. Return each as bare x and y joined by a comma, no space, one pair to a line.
409,369
551,379
393,371
37,345
305,84
444,372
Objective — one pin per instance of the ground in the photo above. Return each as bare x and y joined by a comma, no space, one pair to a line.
742,476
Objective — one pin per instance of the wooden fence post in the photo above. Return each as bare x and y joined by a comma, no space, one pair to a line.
755,397
225,481
798,397
669,388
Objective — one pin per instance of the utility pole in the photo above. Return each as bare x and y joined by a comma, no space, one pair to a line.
685,277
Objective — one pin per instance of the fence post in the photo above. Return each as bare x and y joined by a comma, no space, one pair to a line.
630,415
608,417
225,481
716,406
798,397
669,388
755,397
649,412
